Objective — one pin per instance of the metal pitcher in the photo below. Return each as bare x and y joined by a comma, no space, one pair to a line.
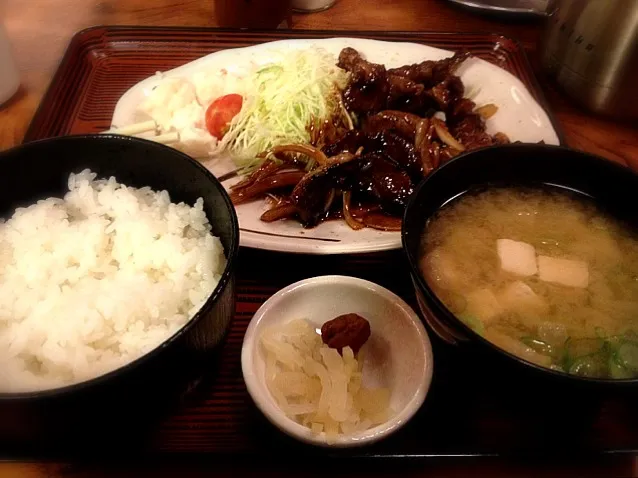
591,49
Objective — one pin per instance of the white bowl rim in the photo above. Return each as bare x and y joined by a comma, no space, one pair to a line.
274,414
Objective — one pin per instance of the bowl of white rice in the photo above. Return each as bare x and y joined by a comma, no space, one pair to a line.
116,281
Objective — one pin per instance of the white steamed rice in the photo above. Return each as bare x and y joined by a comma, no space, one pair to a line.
93,281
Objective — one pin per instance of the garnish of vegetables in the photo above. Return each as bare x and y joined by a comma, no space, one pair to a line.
287,96
603,356
221,112
317,386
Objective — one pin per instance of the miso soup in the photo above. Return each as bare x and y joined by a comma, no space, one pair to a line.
543,274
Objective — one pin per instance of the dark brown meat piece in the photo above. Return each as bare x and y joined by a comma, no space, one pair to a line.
327,131
407,95
400,86
447,93
413,88
429,72
313,195
470,132
380,178
373,175
348,330
461,108
348,143
368,87
349,58
399,150
391,121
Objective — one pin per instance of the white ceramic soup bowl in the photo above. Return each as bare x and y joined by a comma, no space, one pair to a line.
398,355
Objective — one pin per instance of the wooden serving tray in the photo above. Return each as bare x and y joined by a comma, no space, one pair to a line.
474,407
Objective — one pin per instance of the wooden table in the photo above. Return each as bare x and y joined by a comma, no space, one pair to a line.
40,32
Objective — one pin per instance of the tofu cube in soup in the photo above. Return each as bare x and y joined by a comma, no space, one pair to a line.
517,257
566,272
519,297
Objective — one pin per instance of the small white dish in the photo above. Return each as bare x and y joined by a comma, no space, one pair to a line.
398,356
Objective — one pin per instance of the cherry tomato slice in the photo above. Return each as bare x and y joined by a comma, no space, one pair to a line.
221,112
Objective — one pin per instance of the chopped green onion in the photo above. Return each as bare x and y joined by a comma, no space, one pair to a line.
617,371
593,365
473,323
539,346
582,347
627,356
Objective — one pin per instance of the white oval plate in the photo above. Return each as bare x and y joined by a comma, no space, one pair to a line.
519,116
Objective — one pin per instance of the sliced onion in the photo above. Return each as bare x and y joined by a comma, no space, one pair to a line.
281,211
486,111
313,130
345,113
447,153
361,211
425,151
265,185
341,158
501,138
435,155
350,220
268,167
382,222
444,135
454,152
330,199
421,131
310,151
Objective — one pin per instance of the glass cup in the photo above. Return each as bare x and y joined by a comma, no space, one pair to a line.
255,14
9,77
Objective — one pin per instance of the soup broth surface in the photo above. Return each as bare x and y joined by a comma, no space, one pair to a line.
543,274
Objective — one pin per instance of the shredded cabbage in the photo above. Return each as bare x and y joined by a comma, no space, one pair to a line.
286,96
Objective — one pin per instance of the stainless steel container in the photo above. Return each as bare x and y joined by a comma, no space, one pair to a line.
591,49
